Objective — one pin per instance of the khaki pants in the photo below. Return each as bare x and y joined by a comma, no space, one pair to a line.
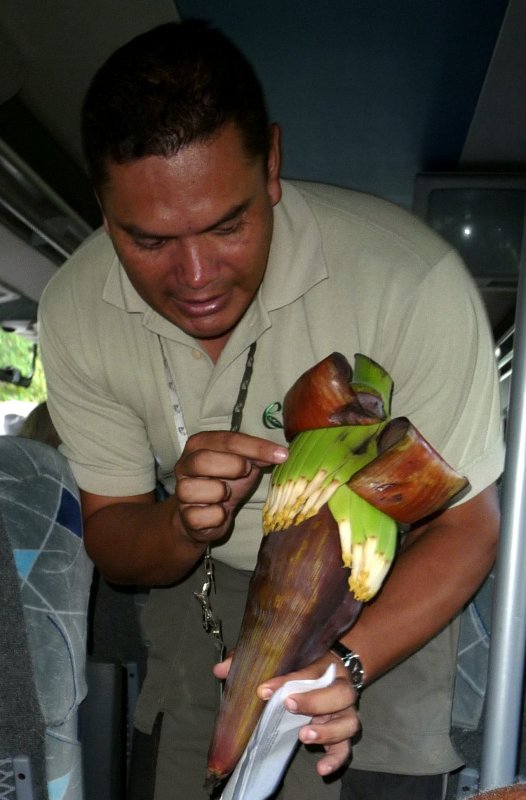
360,785
182,768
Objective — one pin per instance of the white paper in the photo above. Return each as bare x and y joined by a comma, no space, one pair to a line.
272,744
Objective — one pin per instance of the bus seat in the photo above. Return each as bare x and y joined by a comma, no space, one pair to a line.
48,580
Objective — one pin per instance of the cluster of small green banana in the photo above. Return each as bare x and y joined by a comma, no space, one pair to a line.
319,462
368,540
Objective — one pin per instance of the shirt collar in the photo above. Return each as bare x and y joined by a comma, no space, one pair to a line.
296,262
119,291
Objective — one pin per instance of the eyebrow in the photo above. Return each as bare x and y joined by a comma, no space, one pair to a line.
140,233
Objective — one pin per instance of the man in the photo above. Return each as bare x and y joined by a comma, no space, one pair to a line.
146,339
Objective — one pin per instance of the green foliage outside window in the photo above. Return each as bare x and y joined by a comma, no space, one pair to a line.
17,351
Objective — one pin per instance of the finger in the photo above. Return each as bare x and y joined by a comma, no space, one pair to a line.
195,491
331,728
222,669
254,448
203,518
336,697
212,464
312,672
336,757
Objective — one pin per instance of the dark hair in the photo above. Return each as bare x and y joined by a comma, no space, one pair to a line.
173,85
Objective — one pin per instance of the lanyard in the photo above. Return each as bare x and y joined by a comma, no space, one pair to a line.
211,623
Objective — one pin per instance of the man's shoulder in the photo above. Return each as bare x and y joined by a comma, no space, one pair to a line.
363,213
84,272
95,254
352,201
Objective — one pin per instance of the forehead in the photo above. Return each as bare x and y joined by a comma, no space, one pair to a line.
202,180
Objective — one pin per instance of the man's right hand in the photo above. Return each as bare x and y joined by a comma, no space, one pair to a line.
215,474
134,540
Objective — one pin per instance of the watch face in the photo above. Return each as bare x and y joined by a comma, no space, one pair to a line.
350,661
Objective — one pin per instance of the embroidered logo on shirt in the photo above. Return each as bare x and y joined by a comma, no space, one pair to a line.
270,420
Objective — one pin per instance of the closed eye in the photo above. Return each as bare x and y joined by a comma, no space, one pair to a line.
233,226
149,243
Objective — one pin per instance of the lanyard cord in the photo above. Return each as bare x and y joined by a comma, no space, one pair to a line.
211,623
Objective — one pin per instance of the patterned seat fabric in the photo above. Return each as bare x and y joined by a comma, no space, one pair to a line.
40,506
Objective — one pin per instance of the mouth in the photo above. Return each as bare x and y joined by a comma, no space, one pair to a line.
205,307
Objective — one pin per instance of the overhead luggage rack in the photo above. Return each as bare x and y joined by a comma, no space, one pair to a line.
34,212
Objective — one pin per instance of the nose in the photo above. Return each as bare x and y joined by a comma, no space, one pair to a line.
195,265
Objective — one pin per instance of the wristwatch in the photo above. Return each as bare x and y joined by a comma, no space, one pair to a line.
351,661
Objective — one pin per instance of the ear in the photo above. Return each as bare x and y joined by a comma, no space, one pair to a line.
104,220
274,165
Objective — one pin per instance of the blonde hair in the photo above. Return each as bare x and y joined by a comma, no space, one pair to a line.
38,426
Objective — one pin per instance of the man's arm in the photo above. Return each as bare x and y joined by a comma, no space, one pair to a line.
440,566
135,540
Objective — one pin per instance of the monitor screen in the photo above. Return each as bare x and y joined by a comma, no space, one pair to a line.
482,216
484,225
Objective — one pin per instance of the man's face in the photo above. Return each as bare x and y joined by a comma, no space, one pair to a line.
193,231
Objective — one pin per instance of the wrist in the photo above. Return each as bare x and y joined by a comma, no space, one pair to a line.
353,665
185,534
180,550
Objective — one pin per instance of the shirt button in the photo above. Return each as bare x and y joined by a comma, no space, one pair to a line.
197,353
